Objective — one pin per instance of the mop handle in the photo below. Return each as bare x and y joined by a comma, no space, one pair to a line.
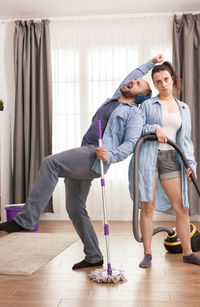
103,182
101,162
106,226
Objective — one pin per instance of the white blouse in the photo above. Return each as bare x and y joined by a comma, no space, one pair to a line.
171,124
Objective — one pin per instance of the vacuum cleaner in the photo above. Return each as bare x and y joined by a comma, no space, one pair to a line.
172,243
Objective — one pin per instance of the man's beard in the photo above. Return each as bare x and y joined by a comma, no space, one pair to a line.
126,93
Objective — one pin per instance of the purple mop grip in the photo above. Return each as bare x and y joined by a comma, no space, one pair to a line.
109,270
99,130
106,229
102,182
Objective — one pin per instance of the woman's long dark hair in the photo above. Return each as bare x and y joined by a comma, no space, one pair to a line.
168,66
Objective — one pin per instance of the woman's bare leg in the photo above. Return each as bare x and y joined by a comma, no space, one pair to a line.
182,216
146,226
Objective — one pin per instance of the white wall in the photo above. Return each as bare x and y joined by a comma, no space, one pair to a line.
7,88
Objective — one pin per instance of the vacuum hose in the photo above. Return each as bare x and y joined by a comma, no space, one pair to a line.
151,137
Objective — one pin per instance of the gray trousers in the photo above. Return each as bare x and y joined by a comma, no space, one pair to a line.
75,166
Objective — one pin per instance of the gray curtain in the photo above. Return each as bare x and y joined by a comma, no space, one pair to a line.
186,60
33,104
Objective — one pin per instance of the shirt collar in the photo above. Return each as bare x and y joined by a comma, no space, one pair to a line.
156,100
129,104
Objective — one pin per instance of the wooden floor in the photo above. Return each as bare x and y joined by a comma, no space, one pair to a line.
169,282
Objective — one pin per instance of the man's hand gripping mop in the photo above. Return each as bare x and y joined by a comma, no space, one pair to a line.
102,275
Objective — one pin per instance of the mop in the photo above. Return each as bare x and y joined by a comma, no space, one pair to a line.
102,275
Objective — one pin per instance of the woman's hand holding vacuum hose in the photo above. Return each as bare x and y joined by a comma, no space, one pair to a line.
161,135
189,172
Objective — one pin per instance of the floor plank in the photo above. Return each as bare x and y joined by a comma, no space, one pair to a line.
169,282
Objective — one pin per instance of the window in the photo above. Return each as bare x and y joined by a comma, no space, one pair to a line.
66,99
89,60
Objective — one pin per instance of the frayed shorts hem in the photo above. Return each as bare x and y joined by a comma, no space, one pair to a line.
171,175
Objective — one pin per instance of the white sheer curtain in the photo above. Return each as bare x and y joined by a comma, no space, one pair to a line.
90,56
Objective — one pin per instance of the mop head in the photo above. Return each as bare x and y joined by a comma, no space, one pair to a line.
102,276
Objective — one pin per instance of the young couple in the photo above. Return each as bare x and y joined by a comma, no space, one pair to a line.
122,125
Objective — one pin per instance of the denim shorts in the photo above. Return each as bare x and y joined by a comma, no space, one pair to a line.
167,166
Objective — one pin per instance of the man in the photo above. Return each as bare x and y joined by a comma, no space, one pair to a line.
122,123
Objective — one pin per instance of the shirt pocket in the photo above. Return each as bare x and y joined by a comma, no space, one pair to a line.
118,128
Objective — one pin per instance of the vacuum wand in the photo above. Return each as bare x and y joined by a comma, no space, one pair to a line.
151,137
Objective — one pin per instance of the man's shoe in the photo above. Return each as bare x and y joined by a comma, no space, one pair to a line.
84,264
11,226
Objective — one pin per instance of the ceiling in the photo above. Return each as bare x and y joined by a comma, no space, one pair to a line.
11,9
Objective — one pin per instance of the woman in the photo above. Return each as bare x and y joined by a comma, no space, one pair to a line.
163,177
